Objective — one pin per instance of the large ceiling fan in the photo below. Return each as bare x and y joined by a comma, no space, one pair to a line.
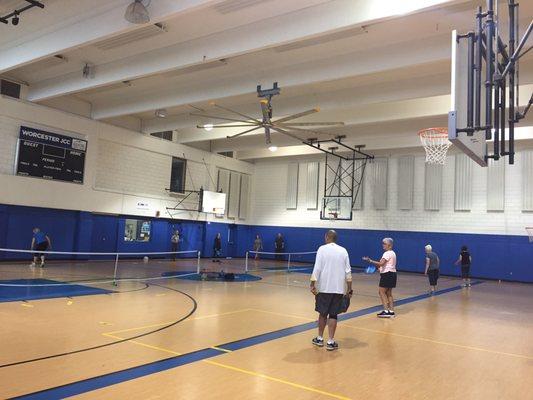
284,125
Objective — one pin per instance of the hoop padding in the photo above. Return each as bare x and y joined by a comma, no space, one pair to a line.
529,230
436,144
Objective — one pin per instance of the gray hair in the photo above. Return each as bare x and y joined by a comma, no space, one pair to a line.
389,241
428,247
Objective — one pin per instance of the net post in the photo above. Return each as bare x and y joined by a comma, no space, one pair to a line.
246,262
289,263
115,272
199,256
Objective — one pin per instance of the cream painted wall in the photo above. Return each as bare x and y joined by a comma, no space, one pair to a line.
122,168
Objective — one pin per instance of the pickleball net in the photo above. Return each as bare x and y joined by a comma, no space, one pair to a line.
279,262
91,268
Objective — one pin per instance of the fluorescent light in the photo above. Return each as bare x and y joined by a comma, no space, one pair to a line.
161,113
208,127
273,148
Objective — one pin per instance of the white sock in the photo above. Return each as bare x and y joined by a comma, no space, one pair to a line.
331,340
320,338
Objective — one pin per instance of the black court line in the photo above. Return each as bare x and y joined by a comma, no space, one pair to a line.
68,353
113,378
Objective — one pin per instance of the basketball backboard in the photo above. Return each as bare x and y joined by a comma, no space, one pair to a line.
475,144
336,208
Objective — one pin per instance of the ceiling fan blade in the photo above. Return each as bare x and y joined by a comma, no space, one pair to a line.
221,118
244,133
298,115
225,126
305,130
284,132
313,123
236,112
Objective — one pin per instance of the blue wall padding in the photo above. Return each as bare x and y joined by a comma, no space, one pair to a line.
506,257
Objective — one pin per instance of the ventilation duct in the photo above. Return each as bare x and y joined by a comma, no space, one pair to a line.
130,37
321,39
231,6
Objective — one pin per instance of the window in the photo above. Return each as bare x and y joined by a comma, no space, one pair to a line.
137,230
10,89
167,135
226,153
177,175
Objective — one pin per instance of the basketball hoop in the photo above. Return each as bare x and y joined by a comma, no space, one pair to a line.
529,230
334,215
436,144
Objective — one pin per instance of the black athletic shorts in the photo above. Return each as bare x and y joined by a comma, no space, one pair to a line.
41,247
328,304
388,280
465,271
433,275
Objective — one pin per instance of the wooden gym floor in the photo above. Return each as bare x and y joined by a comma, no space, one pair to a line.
251,340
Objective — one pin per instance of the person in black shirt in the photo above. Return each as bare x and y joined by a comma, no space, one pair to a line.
217,248
465,259
279,245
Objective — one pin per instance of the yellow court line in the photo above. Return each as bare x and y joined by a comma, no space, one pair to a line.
244,371
440,342
169,322
271,378
283,315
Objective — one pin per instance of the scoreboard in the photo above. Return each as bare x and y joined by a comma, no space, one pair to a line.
51,156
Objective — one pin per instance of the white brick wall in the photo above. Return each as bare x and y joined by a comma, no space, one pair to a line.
8,144
268,199
132,170
122,168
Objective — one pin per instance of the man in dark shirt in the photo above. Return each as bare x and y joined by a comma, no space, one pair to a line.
279,245
40,242
217,248
465,259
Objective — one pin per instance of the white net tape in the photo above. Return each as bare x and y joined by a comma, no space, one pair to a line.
436,144
529,231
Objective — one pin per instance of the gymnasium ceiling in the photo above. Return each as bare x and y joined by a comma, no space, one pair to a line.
381,66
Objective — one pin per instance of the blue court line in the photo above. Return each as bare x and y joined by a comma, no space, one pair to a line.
29,292
113,378
87,385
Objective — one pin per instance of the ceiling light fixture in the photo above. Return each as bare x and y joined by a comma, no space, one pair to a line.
136,12
161,113
273,148
208,127
15,20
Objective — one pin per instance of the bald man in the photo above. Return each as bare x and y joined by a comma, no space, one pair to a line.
330,281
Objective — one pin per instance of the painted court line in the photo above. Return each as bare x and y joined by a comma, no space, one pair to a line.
278,380
502,353
241,370
169,322
113,378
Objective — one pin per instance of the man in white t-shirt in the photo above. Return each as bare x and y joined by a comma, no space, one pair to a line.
388,277
330,282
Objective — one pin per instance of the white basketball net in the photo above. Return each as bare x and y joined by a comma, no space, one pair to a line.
436,144
529,230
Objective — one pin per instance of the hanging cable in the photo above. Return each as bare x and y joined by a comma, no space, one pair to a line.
210,176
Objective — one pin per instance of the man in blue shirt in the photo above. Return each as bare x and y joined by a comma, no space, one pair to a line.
40,242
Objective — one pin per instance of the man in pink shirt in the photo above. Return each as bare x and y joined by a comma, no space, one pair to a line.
387,271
